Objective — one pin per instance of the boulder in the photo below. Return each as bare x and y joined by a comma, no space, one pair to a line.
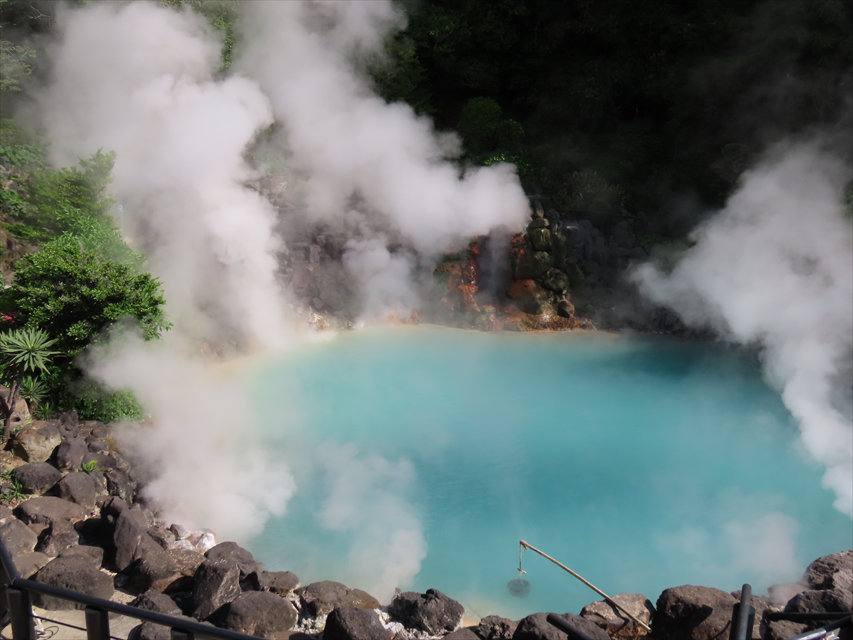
232,552
152,570
18,537
614,621
259,613
57,537
187,562
463,634
37,442
68,424
352,623
74,572
278,582
153,631
131,539
70,453
28,564
119,483
784,629
47,509
693,613
820,600
217,582
158,602
320,598
432,611
832,572
36,477
78,487
537,627
95,555
496,628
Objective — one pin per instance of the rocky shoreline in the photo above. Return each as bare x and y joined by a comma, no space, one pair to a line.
72,518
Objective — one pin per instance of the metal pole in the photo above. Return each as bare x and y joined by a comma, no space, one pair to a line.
743,616
180,634
606,597
97,624
20,614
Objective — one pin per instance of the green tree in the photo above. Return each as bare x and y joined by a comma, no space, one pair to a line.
75,295
23,352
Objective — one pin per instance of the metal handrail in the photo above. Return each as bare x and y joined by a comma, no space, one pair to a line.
20,610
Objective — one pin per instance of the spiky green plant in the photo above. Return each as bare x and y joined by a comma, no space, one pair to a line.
23,352
33,390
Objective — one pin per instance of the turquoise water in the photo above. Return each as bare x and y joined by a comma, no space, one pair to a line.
640,463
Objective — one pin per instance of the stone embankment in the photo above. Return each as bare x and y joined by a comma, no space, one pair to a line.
72,518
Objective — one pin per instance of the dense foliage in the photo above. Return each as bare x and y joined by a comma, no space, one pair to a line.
76,278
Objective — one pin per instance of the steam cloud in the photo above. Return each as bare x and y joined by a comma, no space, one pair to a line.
144,81
775,269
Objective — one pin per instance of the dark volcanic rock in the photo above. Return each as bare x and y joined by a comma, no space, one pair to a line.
616,622
187,562
46,509
259,613
69,454
37,442
78,487
217,582
131,539
28,563
537,627
233,552
278,582
68,424
57,537
158,602
320,598
783,629
693,613
154,569
432,611
36,477
352,623
119,483
820,600
832,572
462,634
18,537
496,628
76,573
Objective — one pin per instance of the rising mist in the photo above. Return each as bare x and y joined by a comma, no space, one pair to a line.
774,270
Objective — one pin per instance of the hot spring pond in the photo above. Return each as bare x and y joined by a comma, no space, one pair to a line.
423,455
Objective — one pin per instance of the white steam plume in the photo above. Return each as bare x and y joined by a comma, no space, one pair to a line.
775,269
350,148
141,80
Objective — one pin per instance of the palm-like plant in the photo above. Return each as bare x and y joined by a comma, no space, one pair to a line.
22,352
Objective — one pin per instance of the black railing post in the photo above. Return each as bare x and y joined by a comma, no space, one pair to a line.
20,614
97,624
180,634
743,616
